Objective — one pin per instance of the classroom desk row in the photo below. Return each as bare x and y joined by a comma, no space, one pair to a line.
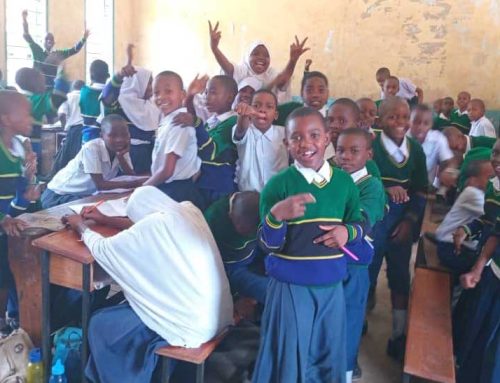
49,253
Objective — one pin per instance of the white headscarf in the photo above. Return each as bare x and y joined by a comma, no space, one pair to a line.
169,268
251,48
144,114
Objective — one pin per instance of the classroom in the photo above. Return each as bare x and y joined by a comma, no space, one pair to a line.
265,192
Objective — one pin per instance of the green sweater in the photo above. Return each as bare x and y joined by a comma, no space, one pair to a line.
462,122
284,111
372,198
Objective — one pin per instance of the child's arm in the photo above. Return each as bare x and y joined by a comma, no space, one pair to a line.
91,213
65,53
35,48
223,61
296,50
420,95
245,112
165,172
472,278
111,91
198,85
124,161
102,184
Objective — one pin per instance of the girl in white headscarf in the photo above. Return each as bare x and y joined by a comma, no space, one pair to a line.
257,64
129,94
170,270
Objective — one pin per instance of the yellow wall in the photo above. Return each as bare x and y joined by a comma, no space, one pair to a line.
444,46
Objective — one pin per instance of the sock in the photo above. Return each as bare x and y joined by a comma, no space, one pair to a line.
348,377
398,323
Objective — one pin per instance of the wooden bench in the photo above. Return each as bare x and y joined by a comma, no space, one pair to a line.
429,344
192,355
427,254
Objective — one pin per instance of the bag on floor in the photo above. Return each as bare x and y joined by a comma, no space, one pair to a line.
14,352
67,348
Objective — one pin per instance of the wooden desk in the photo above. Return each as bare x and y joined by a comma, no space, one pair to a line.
67,262
25,263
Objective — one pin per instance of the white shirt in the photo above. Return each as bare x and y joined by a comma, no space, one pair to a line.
216,119
324,174
172,138
260,156
407,89
71,108
437,150
356,176
170,270
482,127
93,158
467,207
398,153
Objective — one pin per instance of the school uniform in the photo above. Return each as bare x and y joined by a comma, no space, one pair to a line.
437,150
403,166
356,285
482,127
260,156
303,325
440,122
218,155
74,181
477,148
71,108
177,294
407,90
181,141
478,350
90,105
238,252
125,98
460,120
285,109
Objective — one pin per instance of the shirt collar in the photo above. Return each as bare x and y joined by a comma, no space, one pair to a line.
356,176
391,146
97,85
462,113
323,174
442,116
216,119
167,120
467,145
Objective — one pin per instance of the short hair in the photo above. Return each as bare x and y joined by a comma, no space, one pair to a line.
99,71
363,99
227,82
479,102
392,78
448,98
246,205
389,103
26,77
465,92
383,71
312,74
108,121
422,108
473,168
8,100
305,111
350,104
77,85
169,73
266,91
359,132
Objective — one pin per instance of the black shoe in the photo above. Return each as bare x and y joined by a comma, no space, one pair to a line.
396,348
372,300
357,373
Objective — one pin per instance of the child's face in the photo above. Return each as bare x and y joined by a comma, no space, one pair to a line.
437,105
391,87
117,138
264,103
475,111
396,121
447,106
463,100
368,113
168,94
307,139
495,158
457,142
339,118
352,152
381,79
219,99
315,93
245,95
259,59
18,119
420,124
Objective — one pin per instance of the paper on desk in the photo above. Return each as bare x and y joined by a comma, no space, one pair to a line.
111,208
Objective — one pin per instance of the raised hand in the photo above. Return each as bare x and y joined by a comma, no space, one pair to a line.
292,207
215,35
198,85
25,15
297,49
128,70
308,65
86,34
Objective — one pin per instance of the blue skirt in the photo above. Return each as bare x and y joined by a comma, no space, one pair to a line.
356,287
303,335
122,348
478,354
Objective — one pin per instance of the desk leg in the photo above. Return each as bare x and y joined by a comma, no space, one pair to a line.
46,352
85,315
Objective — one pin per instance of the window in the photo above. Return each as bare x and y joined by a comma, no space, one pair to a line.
18,52
100,21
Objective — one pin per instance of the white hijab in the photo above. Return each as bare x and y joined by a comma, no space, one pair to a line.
169,268
144,114
266,76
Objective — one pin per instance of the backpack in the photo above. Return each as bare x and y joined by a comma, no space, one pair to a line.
14,351
67,347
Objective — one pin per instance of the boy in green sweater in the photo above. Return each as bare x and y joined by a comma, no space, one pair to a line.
459,117
402,165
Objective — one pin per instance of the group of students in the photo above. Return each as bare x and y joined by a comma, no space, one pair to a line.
294,204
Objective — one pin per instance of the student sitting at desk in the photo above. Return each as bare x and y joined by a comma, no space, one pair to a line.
94,166
171,273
